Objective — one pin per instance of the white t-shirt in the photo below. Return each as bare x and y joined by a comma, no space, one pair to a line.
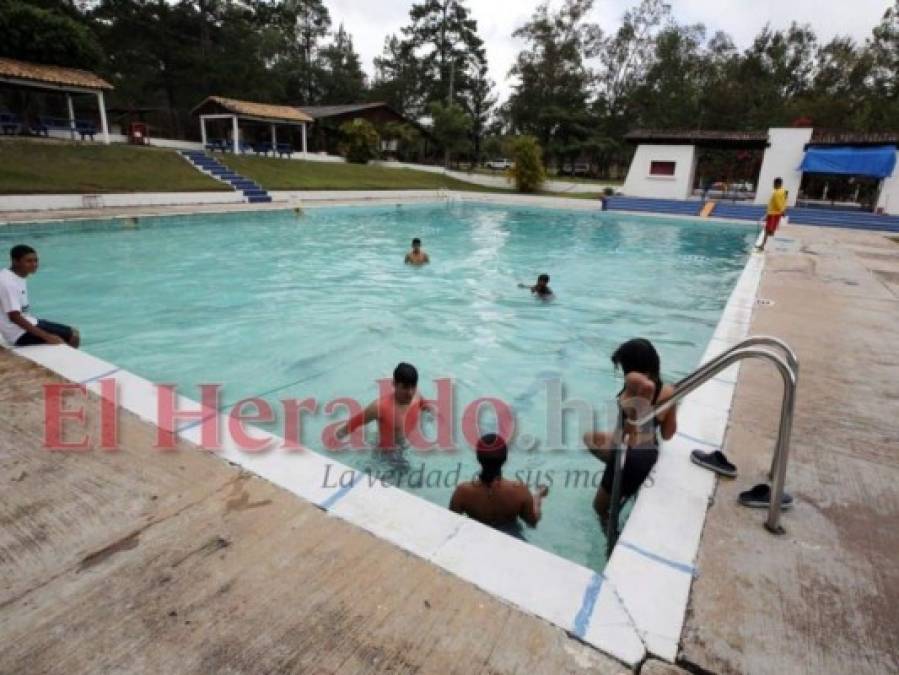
13,298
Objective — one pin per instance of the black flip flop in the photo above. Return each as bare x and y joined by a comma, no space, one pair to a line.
759,497
714,461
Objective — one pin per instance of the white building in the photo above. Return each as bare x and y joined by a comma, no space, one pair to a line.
664,164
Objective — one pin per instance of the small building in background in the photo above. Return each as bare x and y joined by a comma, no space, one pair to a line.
819,168
325,132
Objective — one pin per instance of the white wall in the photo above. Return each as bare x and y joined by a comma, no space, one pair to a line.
679,186
888,199
79,201
782,160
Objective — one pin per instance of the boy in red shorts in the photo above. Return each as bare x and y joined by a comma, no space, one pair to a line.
777,206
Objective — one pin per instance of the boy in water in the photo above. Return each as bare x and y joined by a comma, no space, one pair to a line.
396,413
416,256
17,326
541,289
777,206
494,500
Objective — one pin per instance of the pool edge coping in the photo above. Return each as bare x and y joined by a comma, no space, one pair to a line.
607,609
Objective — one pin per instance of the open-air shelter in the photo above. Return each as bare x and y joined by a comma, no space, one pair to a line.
236,111
56,79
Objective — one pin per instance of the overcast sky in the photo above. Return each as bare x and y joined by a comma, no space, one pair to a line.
369,21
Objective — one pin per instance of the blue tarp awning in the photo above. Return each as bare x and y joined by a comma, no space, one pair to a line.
877,162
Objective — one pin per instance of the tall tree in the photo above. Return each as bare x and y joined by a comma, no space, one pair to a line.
47,35
626,56
340,71
670,93
549,101
445,39
883,50
397,77
307,23
451,128
478,100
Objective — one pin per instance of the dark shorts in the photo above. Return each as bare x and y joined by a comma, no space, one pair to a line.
637,465
60,329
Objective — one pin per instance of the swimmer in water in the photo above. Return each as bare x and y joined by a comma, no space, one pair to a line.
541,289
416,256
494,500
396,413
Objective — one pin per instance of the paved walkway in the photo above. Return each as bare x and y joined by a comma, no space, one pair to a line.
824,598
138,562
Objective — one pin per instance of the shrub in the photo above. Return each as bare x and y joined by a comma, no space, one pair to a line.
360,141
528,171
608,191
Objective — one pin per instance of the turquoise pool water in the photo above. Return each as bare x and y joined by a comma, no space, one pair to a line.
321,305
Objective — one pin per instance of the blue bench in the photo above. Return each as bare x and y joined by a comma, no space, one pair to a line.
10,123
86,129
46,124
262,148
219,144
285,149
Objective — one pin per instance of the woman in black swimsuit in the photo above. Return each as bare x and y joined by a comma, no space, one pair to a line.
643,389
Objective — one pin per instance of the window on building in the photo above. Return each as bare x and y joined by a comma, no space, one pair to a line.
662,168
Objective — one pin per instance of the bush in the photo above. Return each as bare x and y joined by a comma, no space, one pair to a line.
608,191
360,141
528,171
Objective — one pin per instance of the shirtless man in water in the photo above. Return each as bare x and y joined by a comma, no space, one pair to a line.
416,256
494,500
541,289
396,413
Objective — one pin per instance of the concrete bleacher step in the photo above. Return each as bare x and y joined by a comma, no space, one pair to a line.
754,213
253,193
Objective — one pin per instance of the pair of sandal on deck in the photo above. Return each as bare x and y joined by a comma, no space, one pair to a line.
758,497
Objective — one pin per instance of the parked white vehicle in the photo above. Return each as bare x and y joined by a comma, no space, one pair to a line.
499,164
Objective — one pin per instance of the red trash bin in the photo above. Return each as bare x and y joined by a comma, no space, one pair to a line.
138,133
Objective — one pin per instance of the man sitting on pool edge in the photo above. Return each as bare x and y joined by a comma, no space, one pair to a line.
17,326
397,413
493,500
416,256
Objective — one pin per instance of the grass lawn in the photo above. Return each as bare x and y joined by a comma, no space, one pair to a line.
291,174
49,166
564,179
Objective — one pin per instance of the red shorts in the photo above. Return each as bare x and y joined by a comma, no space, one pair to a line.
771,223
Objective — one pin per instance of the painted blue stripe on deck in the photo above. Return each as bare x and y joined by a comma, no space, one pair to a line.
673,564
340,493
100,376
694,439
591,593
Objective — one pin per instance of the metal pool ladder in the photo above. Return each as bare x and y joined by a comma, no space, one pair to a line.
758,347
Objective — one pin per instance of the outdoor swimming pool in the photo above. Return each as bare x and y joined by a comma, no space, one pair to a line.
320,305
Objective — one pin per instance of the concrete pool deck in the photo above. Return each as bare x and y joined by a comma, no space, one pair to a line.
824,597
108,548
141,561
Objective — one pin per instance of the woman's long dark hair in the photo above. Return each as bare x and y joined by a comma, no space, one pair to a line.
638,355
492,453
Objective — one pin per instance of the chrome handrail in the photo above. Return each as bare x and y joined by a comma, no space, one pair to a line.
788,366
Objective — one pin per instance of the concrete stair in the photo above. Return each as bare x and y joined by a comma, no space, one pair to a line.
253,193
